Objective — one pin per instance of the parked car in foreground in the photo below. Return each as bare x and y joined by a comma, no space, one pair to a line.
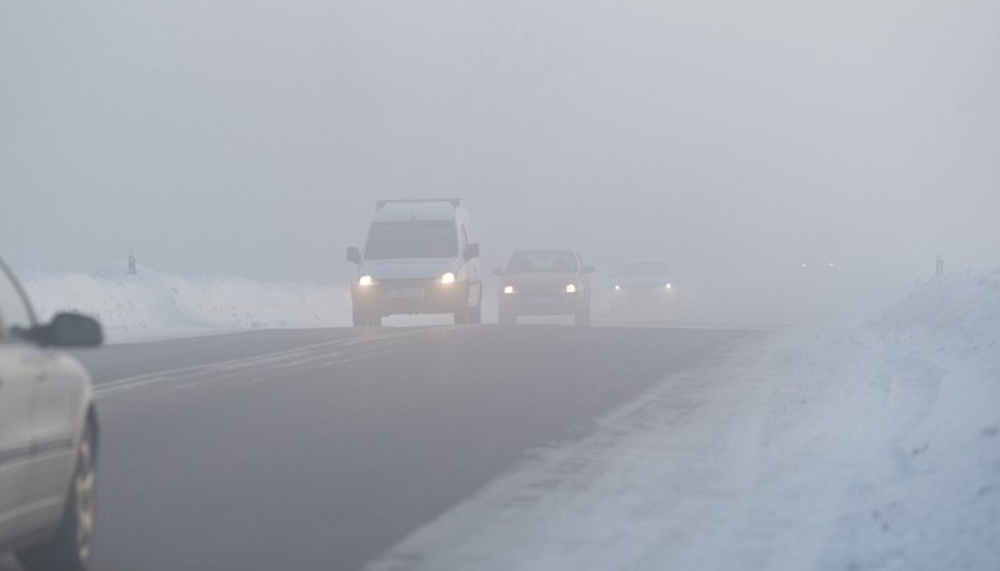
545,282
48,435
421,256
644,286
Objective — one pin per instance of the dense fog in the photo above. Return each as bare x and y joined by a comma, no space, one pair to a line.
737,140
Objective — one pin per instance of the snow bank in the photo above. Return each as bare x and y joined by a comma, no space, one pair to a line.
960,312
932,500
869,448
151,304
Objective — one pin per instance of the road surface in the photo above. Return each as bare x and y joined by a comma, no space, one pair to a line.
320,449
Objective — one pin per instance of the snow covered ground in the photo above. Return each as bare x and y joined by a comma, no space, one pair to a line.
152,305
876,447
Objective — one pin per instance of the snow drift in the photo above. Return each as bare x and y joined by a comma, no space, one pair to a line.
151,304
870,448
961,312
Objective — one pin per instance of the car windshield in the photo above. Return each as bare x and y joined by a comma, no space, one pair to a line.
550,261
644,269
412,239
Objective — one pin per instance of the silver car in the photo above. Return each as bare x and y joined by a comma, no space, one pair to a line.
545,282
48,435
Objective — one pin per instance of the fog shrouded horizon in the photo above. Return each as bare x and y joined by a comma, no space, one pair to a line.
737,140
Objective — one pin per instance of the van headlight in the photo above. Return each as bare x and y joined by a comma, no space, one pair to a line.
668,286
366,281
570,288
509,290
448,278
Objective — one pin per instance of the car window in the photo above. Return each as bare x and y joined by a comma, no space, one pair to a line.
553,261
646,268
14,310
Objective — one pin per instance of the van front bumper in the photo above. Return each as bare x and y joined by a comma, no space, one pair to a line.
411,297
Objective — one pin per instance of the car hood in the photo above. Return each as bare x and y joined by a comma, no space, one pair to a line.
645,281
408,269
541,281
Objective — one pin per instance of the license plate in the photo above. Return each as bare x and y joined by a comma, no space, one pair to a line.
405,293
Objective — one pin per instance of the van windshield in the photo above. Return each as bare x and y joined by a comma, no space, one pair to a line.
412,239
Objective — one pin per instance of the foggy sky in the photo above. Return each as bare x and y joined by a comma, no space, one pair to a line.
252,138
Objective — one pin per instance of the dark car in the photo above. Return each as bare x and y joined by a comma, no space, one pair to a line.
545,282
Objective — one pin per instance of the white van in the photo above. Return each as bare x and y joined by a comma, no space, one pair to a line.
421,256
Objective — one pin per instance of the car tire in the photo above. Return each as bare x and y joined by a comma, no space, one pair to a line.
70,549
582,317
476,314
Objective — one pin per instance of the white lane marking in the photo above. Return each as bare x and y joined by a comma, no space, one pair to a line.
297,356
139,379
314,364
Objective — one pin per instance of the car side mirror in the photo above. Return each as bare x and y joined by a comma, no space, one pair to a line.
589,269
69,330
354,254
497,272
471,251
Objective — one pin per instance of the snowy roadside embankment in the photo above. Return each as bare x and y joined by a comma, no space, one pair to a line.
151,304
933,498
842,449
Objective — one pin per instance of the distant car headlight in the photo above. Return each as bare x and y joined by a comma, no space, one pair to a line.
448,278
366,281
509,290
668,286
618,288
570,288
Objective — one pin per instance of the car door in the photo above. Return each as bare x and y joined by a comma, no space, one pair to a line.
21,366
57,399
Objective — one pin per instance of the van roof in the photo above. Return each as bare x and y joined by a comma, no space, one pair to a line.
405,210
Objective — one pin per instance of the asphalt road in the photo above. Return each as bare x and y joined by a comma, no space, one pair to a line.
320,449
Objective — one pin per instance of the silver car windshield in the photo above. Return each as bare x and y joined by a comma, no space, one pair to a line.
644,269
552,261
